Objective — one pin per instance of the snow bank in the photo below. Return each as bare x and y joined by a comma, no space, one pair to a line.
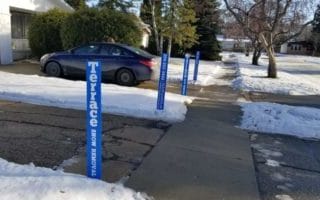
283,197
303,122
295,77
209,72
26,182
127,101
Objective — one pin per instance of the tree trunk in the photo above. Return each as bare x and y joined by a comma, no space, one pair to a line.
256,56
268,46
169,46
315,50
161,43
272,68
154,26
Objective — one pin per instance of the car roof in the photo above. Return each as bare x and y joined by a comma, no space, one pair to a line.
109,43
125,46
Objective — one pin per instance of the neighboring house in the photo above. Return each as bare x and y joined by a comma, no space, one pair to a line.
229,44
15,16
297,48
146,32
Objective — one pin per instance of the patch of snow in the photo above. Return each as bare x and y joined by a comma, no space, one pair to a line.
289,185
127,101
303,122
266,152
277,142
242,100
209,72
272,163
26,182
68,162
295,77
279,177
254,137
283,197
283,188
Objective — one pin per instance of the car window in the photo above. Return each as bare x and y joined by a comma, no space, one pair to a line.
118,51
105,50
90,49
139,51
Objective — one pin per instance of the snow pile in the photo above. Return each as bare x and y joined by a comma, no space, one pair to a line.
209,72
272,163
283,197
303,122
26,182
253,78
118,100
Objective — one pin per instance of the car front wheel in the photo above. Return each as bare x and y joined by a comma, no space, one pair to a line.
125,77
53,69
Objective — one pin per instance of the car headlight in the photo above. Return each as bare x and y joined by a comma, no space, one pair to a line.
44,58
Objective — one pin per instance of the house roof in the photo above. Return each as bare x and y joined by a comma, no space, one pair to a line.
63,4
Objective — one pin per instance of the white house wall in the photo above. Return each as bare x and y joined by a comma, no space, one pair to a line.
284,48
20,5
5,34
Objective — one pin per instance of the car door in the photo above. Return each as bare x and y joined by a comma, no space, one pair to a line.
121,57
80,56
107,63
113,57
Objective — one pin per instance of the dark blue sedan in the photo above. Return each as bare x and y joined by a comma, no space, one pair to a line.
123,64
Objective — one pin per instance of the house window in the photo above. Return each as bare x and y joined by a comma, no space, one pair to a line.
19,25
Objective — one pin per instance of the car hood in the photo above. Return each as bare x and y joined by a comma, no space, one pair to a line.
60,53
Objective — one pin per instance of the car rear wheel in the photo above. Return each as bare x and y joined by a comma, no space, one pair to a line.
53,69
125,77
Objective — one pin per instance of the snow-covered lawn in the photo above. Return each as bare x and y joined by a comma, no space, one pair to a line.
27,182
303,122
209,72
128,101
297,75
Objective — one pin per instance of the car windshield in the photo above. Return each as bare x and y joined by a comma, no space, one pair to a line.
139,51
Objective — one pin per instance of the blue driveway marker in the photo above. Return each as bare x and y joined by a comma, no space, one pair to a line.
94,121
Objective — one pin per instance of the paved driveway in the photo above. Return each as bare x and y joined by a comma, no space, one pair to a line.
31,68
55,138
22,67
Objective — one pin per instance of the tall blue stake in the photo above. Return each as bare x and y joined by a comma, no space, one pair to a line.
196,66
184,86
94,122
162,82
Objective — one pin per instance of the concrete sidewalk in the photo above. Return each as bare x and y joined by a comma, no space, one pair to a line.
203,158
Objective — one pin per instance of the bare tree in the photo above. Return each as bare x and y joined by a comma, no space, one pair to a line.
155,26
272,22
232,29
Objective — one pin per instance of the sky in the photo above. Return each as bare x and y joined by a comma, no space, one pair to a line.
135,10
